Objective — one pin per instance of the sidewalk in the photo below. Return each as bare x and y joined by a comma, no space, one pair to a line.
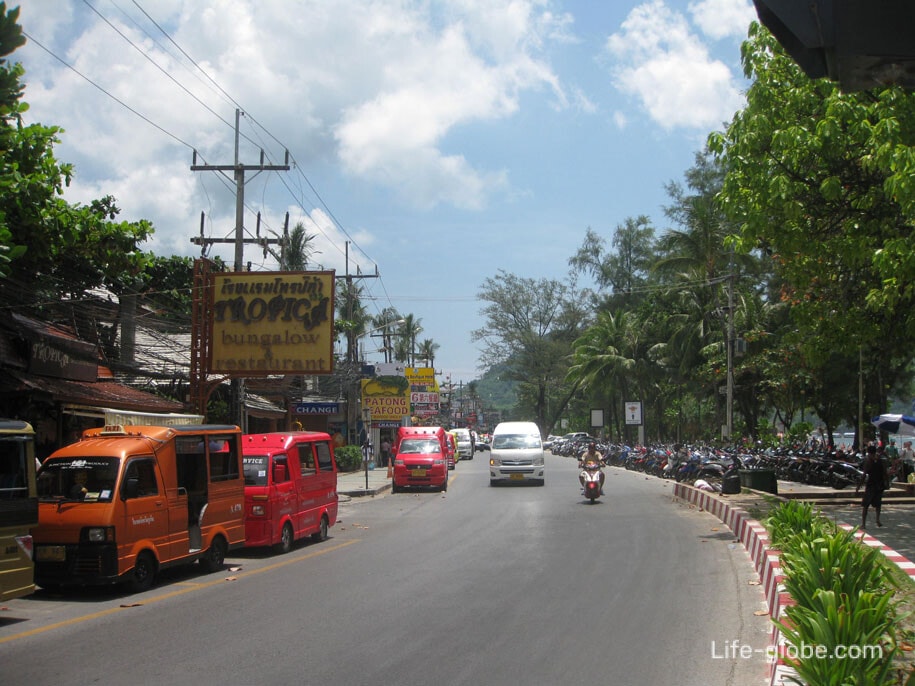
353,484
741,512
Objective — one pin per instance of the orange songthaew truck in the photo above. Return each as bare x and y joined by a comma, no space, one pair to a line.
124,502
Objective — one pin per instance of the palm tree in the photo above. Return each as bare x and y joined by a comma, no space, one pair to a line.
406,346
352,316
427,350
295,249
386,322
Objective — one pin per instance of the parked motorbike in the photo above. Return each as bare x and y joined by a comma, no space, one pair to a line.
590,474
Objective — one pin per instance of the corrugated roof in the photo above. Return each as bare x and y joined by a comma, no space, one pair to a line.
95,394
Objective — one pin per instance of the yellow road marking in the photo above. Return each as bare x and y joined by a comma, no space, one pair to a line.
189,586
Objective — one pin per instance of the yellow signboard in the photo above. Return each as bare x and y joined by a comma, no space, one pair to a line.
265,323
387,397
421,376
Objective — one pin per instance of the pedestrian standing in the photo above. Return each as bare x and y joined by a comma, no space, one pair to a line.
385,453
874,485
908,459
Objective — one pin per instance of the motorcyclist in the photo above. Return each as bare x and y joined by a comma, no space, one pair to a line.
592,454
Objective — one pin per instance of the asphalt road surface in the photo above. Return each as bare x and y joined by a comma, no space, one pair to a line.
482,586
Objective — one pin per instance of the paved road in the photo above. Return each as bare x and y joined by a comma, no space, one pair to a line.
479,585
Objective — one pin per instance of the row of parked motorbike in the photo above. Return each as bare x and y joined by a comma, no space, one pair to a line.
809,466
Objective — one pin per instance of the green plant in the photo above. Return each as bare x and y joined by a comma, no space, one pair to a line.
832,645
793,518
349,458
835,562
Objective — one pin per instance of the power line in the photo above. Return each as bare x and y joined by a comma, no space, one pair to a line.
110,95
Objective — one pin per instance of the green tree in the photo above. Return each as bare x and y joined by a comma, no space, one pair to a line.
625,268
295,249
427,350
352,316
387,322
530,326
823,182
405,343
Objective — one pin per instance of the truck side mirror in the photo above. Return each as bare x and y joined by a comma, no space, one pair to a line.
132,488
279,473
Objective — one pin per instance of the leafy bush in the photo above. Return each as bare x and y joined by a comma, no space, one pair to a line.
843,592
349,458
792,518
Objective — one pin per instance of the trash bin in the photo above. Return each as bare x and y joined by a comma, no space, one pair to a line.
730,483
759,480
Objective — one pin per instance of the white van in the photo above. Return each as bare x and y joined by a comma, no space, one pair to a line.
464,443
516,454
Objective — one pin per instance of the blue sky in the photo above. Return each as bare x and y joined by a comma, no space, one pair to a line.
444,140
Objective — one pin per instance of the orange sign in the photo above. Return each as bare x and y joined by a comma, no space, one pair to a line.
265,323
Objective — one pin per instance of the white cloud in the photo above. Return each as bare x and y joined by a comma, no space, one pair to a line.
661,62
377,86
719,19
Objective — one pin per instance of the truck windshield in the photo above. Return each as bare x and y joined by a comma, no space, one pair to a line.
515,441
88,479
420,446
255,469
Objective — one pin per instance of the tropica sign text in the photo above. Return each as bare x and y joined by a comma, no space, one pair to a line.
272,323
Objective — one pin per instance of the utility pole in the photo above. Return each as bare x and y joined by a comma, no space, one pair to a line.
238,170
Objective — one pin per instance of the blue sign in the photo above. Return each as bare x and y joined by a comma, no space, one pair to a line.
317,408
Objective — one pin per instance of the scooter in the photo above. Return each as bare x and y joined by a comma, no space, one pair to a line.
590,473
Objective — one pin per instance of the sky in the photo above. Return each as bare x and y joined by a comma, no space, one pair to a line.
431,143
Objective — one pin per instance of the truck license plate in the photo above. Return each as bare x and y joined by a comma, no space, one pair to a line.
51,553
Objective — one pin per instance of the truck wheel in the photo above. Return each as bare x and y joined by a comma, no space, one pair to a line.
321,533
214,558
286,538
144,573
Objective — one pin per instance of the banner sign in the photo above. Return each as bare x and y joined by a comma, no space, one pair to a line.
266,323
316,408
387,398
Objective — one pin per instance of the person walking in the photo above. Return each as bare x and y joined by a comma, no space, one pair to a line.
874,485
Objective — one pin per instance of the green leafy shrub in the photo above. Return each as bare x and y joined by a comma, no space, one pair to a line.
853,647
349,458
841,632
792,518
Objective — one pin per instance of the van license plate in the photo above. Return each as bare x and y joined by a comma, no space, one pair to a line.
51,553
417,472
517,477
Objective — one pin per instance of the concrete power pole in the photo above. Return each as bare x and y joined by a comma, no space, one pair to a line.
238,170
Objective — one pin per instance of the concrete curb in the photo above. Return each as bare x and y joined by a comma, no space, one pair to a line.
755,539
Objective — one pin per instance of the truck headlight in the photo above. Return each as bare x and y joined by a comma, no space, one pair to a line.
99,534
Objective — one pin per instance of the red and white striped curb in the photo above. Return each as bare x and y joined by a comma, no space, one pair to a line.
755,539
